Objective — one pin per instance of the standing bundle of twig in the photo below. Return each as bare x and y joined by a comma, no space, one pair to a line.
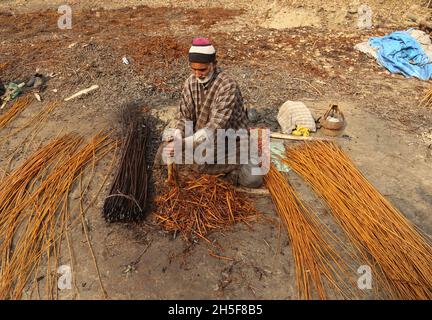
373,225
318,266
128,196
199,204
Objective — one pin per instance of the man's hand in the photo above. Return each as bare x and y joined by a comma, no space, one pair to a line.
170,137
168,151
171,134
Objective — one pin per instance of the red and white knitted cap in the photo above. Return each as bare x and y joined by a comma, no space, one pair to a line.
202,51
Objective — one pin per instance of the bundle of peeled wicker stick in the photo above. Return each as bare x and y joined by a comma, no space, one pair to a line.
17,107
200,204
397,249
34,210
319,267
127,199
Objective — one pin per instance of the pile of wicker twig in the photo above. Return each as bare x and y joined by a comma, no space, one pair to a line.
200,204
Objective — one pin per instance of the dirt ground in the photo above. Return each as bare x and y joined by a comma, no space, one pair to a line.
277,51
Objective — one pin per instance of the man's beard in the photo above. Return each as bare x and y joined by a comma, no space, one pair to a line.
206,78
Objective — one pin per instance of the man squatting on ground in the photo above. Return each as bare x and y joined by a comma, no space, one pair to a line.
211,100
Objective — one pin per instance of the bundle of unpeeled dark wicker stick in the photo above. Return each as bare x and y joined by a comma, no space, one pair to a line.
127,199
398,250
34,211
199,204
319,266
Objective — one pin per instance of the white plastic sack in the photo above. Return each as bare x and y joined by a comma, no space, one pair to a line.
293,113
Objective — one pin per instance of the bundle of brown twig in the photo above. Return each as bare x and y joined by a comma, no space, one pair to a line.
35,210
17,107
374,226
36,123
318,265
127,199
200,204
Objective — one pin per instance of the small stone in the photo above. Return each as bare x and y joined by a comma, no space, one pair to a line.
352,10
412,17
38,82
423,23
253,115
429,151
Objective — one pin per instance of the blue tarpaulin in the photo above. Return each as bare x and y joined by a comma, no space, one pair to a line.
401,53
